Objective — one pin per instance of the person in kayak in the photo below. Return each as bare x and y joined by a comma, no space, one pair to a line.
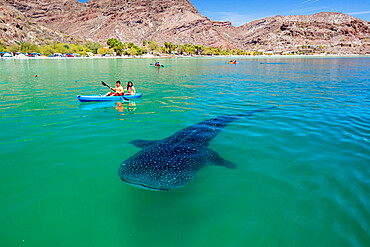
157,64
130,90
118,90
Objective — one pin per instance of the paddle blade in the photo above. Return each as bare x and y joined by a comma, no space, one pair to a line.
103,83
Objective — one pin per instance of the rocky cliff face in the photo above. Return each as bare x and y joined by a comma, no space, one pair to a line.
179,22
137,20
332,30
16,26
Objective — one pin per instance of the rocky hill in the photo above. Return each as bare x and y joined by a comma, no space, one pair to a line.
15,26
178,21
336,31
127,20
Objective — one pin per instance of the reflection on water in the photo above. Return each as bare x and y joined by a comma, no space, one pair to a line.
129,106
309,157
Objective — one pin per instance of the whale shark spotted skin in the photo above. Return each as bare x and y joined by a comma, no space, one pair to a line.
173,162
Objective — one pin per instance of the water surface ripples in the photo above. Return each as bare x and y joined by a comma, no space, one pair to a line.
302,175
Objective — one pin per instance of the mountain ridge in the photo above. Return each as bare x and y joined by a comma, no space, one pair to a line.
178,21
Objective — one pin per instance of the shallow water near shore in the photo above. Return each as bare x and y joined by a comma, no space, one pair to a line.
302,176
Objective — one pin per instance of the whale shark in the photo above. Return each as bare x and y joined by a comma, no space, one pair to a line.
173,162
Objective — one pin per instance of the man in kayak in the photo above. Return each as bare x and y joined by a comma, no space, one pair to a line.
130,90
118,90
157,64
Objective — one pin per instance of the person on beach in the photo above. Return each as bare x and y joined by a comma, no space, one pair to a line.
118,90
130,90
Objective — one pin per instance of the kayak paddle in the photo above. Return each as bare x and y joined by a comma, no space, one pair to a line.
157,66
103,83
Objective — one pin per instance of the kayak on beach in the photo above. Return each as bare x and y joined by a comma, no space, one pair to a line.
98,98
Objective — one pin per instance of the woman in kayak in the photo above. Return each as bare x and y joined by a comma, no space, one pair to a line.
118,90
130,89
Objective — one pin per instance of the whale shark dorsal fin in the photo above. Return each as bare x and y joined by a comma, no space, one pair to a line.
142,143
215,159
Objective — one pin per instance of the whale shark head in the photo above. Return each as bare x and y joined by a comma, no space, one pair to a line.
148,173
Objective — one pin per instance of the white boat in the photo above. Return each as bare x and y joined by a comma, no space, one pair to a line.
7,55
20,56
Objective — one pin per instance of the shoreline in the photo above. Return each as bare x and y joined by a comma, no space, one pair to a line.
193,56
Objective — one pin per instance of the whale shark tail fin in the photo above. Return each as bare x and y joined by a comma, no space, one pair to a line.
142,143
214,159
250,113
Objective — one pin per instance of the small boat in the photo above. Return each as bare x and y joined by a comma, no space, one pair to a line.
98,98
20,56
230,62
7,55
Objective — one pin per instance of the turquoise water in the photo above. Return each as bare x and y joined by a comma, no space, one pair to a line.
302,176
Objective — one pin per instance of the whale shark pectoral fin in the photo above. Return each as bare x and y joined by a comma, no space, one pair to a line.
142,143
215,159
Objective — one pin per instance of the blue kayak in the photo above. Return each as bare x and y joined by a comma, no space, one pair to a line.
98,98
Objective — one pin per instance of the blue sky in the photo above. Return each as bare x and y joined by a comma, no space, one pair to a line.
240,12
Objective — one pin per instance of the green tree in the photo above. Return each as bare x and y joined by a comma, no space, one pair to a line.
133,51
79,49
139,51
61,47
144,49
103,50
112,42
47,50
199,49
117,46
93,46
208,51
2,46
13,48
26,47
153,46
